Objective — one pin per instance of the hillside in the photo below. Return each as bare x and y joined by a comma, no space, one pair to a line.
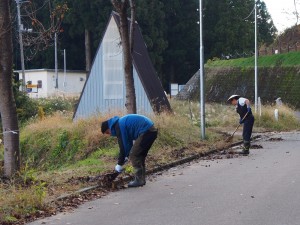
285,51
283,60
278,76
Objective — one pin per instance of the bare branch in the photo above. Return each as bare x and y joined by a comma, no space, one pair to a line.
296,12
41,36
117,5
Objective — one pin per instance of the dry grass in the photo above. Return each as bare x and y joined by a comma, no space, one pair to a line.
286,120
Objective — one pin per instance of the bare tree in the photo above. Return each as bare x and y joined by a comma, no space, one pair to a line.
42,35
296,12
121,6
34,36
8,109
87,43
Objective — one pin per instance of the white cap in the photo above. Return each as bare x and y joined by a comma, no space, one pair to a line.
233,97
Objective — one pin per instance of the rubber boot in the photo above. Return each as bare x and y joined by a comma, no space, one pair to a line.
246,148
138,179
144,175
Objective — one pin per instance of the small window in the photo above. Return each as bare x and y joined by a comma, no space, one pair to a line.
39,84
113,81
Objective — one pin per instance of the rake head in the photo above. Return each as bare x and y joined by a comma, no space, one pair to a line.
229,139
110,177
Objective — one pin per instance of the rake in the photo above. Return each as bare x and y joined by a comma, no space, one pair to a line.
229,139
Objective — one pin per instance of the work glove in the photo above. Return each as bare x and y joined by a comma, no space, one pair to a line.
118,168
249,110
241,121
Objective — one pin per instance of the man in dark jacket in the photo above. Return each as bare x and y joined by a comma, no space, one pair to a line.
242,106
136,134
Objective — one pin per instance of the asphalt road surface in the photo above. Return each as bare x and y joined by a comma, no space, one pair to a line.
298,115
260,189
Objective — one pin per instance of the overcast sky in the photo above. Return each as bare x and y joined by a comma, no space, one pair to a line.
283,13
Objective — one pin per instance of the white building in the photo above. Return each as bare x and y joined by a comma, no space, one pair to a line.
43,83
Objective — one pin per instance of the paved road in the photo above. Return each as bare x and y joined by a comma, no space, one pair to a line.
260,189
298,114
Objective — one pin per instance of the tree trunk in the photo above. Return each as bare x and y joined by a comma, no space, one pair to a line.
7,102
88,60
127,45
132,25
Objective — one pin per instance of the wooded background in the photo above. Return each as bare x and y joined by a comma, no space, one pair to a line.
169,28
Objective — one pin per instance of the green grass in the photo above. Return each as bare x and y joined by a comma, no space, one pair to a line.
96,162
285,59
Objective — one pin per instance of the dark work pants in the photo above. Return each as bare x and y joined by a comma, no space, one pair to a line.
247,129
141,147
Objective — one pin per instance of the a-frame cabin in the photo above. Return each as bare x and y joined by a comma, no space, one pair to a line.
105,90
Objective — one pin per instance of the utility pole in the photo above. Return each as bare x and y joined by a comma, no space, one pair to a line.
256,56
201,74
55,53
20,29
65,69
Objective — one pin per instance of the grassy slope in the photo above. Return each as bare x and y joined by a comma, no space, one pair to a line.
278,76
287,59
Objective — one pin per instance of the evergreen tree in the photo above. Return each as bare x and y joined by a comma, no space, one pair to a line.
151,17
266,28
231,31
86,21
182,33
82,15
170,31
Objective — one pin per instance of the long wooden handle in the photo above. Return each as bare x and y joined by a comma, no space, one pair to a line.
245,116
236,129
239,124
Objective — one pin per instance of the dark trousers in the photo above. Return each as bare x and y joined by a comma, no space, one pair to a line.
141,148
247,128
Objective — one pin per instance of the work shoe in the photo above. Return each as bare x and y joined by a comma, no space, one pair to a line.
138,179
144,175
246,148
244,152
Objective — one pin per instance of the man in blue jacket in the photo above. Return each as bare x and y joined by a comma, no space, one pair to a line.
136,134
242,107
